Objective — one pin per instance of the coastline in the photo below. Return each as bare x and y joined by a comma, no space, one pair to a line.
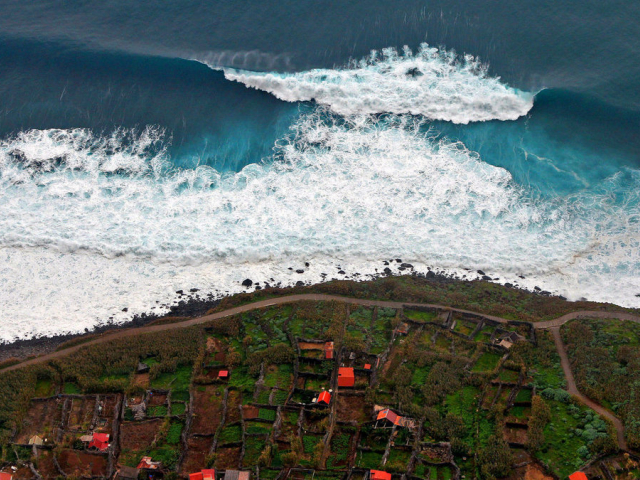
192,304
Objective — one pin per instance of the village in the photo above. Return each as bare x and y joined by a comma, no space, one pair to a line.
310,391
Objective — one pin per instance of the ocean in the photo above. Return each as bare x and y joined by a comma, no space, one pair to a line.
151,147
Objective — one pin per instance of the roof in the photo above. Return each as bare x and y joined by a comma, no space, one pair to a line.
196,476
223,373
346,372
403,328
506,344
100,441
102,437
209,474
5,476
236,475
328,350
578,476
379,475
387,414
86,438
36,440
148,464
231,475
367,366
324,397
127,472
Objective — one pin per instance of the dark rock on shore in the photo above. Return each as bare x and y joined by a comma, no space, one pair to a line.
247,282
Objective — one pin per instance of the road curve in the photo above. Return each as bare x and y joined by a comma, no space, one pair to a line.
573,389
553,325
297,298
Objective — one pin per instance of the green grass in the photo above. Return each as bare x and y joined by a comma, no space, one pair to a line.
280,397
176,381
509,376
241,379
178,408
71,389
231,434
419,376
253,449
174,433
44,388
487,362
266,414
282,377
369,460
560,450
157,411
524,395
257,428
419,316
180,396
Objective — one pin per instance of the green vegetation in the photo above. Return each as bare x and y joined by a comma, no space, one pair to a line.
487,362
605,358
450,388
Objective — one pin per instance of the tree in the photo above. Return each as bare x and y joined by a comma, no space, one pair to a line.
495,459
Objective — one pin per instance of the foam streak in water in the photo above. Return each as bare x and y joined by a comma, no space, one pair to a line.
90,225
436,84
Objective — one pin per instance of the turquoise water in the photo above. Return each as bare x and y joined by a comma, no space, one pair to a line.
160,147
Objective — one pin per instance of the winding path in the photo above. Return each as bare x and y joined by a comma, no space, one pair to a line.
573,389
553,325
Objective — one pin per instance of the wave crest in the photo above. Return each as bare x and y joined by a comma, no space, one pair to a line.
433,83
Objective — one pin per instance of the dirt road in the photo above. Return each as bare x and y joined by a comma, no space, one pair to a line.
553,325
573,389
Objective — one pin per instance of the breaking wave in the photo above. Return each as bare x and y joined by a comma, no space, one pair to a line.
434,83
121,227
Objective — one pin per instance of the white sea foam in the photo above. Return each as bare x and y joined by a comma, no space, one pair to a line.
79,242
434,83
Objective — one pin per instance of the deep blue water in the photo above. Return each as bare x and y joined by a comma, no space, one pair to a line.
110,111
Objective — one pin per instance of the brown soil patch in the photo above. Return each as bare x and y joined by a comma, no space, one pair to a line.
23,473
535,472
109,404
79,464
141,380
196,455
157,399
137,400
516,435
228,458
43,418
249,412
214,345
139,435
207,409
352,408
81,413
233,403
46,467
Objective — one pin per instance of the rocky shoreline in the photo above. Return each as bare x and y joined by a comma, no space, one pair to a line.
191,304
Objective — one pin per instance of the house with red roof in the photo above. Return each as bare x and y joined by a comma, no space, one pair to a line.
324,397
99,441
207,474
328,350
346,377
379,475
389,416
578,476
5,476
223,374
146,463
